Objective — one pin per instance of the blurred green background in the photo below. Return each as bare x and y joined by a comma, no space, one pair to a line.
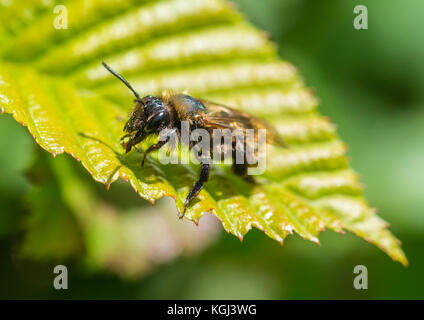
370,83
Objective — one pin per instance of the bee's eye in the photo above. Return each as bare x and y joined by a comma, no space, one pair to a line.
156,121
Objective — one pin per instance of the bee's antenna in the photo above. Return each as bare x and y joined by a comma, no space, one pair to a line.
122,79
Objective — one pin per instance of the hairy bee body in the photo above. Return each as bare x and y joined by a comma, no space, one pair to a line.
152,114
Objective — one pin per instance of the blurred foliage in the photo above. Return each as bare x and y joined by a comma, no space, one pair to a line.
369,82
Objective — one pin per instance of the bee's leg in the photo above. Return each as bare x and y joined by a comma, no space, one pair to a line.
153,147
126,136
204,176
157,146
241,170
135,139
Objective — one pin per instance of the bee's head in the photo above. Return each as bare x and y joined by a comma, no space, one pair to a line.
149,116
137,118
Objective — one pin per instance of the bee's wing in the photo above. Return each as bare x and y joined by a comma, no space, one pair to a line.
220,116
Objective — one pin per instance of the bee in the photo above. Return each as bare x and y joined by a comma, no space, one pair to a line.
152,114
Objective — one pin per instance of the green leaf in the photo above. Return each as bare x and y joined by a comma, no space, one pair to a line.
52,82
